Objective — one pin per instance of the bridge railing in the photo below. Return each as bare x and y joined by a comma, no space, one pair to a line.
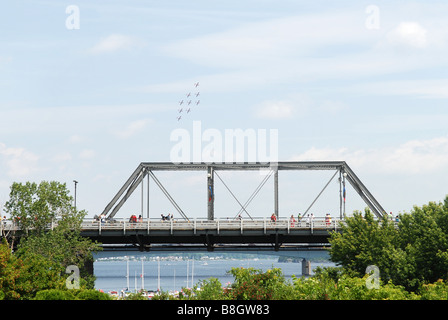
203,224
196,224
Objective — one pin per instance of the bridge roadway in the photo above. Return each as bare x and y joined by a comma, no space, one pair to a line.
218,234
203,234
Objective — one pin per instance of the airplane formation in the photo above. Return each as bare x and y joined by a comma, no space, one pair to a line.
188,102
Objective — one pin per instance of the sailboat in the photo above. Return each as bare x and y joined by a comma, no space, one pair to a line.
143,276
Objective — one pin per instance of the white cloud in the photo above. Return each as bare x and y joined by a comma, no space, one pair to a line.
87,154
19,161
298,104
275,110
62,157
421,88
412,157
409,34
75,139
311,47
115,42
270,40
132,129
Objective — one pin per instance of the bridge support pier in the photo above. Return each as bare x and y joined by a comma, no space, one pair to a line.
306,267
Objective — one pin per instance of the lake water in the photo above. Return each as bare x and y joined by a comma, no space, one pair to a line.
175,271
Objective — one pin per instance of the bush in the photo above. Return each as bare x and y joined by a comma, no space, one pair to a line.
253,284
136,296
332,285
92,294
54,294
434,291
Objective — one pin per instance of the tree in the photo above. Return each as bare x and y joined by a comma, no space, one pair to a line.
254,284
52,226
36,207
411,253
365,241
423,234
9,272
22,278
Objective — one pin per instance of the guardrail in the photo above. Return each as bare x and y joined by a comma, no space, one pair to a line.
195,224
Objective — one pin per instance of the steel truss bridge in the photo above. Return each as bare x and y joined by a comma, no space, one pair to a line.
148,169
214,233
217,233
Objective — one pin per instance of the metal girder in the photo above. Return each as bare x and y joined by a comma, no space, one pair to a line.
176,206
148,167
363,192
285,165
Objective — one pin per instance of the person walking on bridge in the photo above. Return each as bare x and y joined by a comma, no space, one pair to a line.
292,221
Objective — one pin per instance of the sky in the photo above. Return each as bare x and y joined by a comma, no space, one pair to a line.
89,89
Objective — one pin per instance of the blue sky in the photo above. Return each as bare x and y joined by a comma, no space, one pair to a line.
364,82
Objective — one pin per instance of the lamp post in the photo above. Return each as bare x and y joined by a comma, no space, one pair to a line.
76,182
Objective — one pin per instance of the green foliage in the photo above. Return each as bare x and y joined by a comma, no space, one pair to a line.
253,284
10,271
365,241
91,294
209,289
137,296
50,243
54,294
326,284
35,207
411,253
64,294
434,291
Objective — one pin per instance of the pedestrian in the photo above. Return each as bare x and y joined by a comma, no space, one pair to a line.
140,219
308,220
327,220
292,221
273,218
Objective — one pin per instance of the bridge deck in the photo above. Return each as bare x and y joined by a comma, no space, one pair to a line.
202,232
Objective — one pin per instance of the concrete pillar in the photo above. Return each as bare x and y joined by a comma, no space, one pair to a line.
306,267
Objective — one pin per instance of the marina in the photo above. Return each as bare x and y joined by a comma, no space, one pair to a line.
150,273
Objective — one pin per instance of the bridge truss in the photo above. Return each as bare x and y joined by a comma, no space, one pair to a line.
149,169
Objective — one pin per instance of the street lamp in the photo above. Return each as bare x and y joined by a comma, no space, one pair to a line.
76,182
